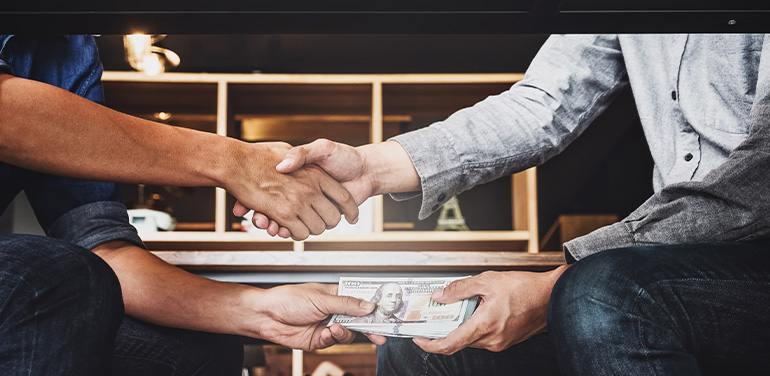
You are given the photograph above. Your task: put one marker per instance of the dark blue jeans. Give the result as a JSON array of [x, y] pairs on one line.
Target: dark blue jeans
[[686, 309], [61, 313]]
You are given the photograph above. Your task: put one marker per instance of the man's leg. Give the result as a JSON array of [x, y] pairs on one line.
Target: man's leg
[[60, 307], [150, 350], [684, 309], [535, 356]]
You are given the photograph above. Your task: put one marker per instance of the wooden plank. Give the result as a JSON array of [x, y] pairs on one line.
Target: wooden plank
[[314, 78], [375, 134], [320, 118], [297, 364], [389, 236], [220, 211], [519, 202], [533, 227], [359, 260]]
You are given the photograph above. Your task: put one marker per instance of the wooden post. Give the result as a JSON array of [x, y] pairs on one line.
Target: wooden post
[[220, 199]]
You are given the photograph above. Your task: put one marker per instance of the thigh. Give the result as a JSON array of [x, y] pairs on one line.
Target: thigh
[[683, 309], [60, 307], [151, 350], [535, 356]]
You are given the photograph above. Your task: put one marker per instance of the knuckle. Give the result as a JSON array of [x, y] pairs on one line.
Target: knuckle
[[335, 220], [348, 301], [285, 212], [309, 191], [317, 229], [325, 145], [345, 195]]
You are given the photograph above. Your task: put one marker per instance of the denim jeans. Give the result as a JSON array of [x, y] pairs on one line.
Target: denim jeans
[[60, 308], [61, 313], [687, 309]]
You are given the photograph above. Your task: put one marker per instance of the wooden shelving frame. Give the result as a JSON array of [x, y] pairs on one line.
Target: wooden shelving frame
[[380, 250]]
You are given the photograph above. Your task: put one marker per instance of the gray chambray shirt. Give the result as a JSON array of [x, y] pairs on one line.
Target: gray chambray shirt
[[704, 104]]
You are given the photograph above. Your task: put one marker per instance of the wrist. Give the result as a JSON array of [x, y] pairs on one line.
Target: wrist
[[225, 166], [389, 168], [252, 313]]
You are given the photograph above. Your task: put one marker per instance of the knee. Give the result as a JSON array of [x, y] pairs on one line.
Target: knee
[[57, 276], [593, 296], [399, 356]]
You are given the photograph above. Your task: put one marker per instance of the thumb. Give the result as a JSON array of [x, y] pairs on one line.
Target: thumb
[[239, 210], [298, 156], [292, 161], [456, 291], [348, 305]]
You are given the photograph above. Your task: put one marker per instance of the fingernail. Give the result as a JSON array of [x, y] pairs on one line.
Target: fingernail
[[284, 163], [337, 331], [354, 221], [437, 294], [367, 305]]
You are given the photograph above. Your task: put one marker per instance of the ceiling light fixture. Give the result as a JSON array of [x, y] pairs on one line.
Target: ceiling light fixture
[[144, 57]]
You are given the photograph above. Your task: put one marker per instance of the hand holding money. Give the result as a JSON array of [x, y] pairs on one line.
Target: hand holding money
[[404, 307]]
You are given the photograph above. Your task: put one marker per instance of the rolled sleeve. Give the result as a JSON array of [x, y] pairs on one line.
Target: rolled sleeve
[[440, 169], [96, 223], [616, 235]]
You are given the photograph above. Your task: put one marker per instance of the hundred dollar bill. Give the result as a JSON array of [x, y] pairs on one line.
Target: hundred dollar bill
[[404, 307]]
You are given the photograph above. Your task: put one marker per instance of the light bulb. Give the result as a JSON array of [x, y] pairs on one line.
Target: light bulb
[[152, 64], [144, 57]]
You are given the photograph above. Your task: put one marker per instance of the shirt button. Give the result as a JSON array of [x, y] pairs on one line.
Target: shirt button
[[688, 157], [441, 197], [673, 95], [434, 208]]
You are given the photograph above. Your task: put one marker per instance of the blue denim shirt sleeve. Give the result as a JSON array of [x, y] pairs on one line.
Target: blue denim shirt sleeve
[[730, 204], [93, 224], [86, 213], [572, 80]]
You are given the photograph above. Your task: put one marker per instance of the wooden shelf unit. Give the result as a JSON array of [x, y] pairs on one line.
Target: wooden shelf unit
[[217, 102]]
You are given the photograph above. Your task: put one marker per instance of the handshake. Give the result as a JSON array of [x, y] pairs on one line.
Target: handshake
[[305, 190]]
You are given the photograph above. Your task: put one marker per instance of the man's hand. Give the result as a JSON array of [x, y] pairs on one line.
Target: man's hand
[[344, 163], [513, 306], [364, 171], [296, 315], [306, 201]]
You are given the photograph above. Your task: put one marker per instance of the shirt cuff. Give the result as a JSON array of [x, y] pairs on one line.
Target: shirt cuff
[[95, 223], [440, 171], [616, 235]]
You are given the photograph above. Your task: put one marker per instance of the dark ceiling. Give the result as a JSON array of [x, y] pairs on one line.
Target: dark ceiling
[[382, 17]]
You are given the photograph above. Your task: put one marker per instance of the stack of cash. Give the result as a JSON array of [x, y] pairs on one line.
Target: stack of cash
[[404, 307]]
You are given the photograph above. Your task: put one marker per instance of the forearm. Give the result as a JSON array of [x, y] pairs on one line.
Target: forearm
[[157, 292], [47, 129]]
